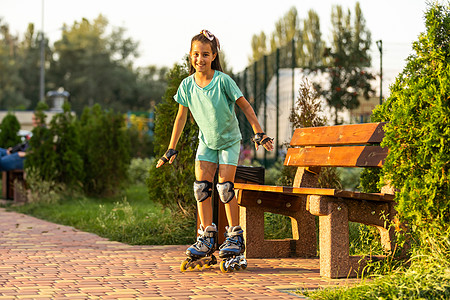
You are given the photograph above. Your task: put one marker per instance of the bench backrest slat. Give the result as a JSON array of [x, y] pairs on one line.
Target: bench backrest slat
[[354, 145], [352, 156], [355, 134]]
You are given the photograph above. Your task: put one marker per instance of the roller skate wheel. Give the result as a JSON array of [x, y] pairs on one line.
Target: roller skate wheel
[[237, 267], [183, 266], [223, 267]]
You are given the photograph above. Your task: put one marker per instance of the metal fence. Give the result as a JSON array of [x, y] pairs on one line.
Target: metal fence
[[253, 82]]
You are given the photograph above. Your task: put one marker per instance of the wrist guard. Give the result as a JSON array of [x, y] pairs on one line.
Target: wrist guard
[[169, 153], [258, 138]]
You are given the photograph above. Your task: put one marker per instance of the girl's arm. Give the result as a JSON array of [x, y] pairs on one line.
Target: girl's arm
[[178, 127], [251, 117]]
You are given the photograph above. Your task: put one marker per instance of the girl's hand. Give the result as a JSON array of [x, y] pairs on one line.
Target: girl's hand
[[169, 156], [264, 140]]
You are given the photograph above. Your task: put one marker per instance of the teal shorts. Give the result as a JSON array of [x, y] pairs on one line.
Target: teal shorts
[[228, 156]]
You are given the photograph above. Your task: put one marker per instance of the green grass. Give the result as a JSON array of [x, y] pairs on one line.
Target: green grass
[[426, 275], [130, 218]]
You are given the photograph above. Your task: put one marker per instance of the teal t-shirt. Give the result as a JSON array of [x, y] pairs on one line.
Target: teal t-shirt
[[213, 109]]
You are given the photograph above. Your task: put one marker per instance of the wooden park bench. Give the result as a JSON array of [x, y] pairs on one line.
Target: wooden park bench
[[13, 186], [313, 148]]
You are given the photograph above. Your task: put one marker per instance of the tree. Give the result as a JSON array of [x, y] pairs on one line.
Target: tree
[[311, 55], [349, 60], [11, 84], [95, 67], [30, 62], [309, 46], [418, 132], [151, 84], [286, 29], [259, 47]]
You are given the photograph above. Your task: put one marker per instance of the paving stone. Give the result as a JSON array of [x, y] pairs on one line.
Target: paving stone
[[43, 260]]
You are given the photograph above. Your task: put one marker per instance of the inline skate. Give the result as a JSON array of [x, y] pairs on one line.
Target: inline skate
[[232, 250], [200, 254]]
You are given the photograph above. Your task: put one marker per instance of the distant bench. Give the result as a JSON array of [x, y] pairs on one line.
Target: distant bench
[[313, 148], [13, 185]]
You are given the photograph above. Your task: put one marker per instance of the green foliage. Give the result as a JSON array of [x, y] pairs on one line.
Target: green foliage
[[67, 147], [172, 184], [138, 170], [348, 61], [426, 278], [55, 154], [307, 111], [309, 45], [141, 143], [43, 191], [277, 226], [369, 180], [42, 159], [29, 54], [9, 128], [93, 66], [418, 132], [151, 85], [11, 83], [97, 162], [91, 60], [105, 151]]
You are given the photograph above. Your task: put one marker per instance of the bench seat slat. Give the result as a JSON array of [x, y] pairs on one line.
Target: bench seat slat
[[352, 156], [354, 134], [315, 191]]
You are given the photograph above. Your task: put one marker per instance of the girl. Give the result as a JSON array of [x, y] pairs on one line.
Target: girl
[[210, 96]]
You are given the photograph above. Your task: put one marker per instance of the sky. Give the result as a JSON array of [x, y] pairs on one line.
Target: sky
[[164, 28]]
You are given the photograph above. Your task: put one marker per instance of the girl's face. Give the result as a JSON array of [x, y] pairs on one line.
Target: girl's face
[[201, 56]]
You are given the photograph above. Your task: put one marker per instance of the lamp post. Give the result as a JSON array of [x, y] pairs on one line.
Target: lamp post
[[42, 69], [380, 48]]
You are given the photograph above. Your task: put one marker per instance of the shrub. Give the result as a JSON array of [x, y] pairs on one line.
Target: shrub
[[54, 155], [10, 126], [141, 143], [172, 184], [43, 191], [105, 151], [138, 170], [308, 112], [67, 147], [418, 132]]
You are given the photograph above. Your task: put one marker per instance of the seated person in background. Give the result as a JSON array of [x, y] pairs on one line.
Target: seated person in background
[[13, 158]]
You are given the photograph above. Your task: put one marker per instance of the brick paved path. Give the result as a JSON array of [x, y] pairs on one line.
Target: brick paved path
[[42, 260]]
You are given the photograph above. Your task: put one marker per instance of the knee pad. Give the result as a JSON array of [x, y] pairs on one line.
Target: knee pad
[[226, 191], [202, 190]]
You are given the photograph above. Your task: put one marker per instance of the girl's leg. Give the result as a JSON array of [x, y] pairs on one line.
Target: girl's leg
[[227, 173], [205, 170]]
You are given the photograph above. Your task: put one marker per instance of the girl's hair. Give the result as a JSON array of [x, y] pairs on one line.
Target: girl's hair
[[215, 46]]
